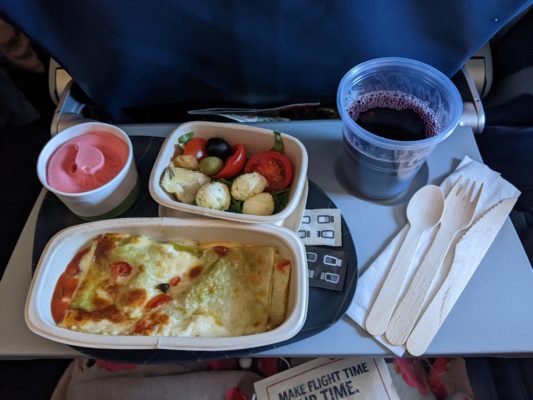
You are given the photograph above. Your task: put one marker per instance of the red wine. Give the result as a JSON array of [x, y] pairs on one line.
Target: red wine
[[383, 172], [394, 115]]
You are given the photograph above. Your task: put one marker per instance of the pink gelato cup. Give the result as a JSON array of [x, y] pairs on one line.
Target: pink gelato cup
[[90, 168]]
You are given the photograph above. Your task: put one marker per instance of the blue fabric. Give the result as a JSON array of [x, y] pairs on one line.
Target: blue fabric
[[131, 53]]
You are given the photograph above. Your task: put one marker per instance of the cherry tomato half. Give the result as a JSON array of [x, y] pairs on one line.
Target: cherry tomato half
[[121, 268], [174, 281], [234, 163], [274, 166], [196, 147], [158, 300]]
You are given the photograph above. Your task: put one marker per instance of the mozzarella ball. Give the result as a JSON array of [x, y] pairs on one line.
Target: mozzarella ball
[[214, 195], [260, 204], [248, 185]]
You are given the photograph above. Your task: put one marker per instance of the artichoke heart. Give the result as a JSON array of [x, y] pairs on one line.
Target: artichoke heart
[[183, 183]]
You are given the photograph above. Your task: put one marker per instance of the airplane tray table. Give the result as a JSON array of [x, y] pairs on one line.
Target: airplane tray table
[[325, 307], [492, 316]]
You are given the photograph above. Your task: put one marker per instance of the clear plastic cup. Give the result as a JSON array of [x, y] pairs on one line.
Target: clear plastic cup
[[382, 168]]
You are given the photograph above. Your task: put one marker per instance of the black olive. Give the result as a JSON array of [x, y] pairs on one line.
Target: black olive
[[163, 287], [218, 147]]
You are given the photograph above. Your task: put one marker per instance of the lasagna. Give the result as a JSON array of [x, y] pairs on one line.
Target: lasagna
[[124, 284]]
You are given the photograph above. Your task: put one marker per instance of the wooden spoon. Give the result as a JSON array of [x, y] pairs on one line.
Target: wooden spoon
[[424, 211], [459, 208]]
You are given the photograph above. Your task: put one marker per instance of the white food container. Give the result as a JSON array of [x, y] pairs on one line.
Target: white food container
[[66, 244], [255, 140]]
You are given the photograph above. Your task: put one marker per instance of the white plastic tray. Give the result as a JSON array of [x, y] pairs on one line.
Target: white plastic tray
[[63, 247], [254, 140]]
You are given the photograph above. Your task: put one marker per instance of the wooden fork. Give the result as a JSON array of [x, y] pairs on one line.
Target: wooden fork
[[459, 208]]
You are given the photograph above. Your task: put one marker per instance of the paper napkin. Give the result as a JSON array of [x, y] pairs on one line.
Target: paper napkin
[[495, 189]]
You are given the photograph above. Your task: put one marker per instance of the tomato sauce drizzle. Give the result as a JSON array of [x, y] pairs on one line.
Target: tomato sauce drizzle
[[282, 265], [65, 287]]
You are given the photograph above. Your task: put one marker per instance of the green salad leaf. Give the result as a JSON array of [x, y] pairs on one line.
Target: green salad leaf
[[278, 143], [281, 198], [235, 205], [222, 180], [184, 139]]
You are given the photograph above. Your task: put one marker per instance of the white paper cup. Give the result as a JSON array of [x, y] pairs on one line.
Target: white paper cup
[[107, 201]]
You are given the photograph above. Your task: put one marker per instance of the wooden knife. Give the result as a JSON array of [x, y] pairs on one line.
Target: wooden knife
[[469, 252]]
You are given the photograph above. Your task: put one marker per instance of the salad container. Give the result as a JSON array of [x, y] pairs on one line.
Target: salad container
[[66, 244], [254, 140]]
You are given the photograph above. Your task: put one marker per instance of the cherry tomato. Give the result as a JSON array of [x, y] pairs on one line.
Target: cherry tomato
[[234, 163], [196, 147], [274, 166], [121, 268], [158, 300]]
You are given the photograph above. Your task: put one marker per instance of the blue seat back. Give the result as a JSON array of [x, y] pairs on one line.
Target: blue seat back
[[126, 53]]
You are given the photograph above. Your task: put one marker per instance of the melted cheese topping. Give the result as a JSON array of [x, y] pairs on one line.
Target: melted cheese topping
[[133, 285]]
